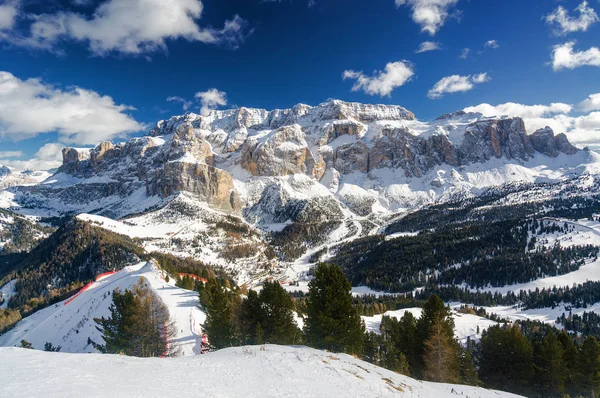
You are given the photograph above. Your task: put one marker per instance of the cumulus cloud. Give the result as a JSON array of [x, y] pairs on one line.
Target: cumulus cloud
[[428, 46], [429, 14], [382, 83], [131, 27], [47, 157], [563, 56], [491, 44], [591, 103], [31, 107], [581, 130], [8, 14], [456, 83], [563, 23], [464, 54], [210, 100]]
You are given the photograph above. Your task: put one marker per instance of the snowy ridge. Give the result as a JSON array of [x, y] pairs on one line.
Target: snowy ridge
[[266, 371]]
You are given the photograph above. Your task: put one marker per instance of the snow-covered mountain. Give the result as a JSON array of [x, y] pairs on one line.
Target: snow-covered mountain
[[314, 175], [9, 177]]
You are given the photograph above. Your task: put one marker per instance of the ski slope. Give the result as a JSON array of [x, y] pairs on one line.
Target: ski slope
[[70, 323], [253, 371]]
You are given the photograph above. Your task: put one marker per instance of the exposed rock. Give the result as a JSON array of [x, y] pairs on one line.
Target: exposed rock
[[496, 138], [98, 153], [74, 155], [563, 144], [284, 152], [544, 141], [211, 184]]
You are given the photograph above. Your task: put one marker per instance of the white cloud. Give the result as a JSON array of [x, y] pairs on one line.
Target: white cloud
[[591, 103], [31, 107], [185, 103], [430, 14], [47, 157], [563, 23], [456, 83], [491, 44], [8, 14], [11, 154], [131, 27], [210, 100], [382, 83], [563, 57], [428, 46], [525, 111], [581, 130], [464, 54]]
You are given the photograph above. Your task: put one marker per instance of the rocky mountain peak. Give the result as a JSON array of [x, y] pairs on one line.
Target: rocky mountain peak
[[4, 171], [544, 141]]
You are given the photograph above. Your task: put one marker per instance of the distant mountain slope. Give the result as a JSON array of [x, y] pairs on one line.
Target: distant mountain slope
[[254, 371]]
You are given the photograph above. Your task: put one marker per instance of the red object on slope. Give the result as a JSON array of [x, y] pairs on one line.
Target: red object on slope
[[86, 287]]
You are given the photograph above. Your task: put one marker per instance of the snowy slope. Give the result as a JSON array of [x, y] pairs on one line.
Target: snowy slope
[[254, 371], [71, 324], [465, 325]]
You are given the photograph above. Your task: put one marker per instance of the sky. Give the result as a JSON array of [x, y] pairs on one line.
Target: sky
[[77, 72]]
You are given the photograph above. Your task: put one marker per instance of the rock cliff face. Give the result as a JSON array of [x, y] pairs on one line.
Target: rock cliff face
[[302, 164], [544, 141]]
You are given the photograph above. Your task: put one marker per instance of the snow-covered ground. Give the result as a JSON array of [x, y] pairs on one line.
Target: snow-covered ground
[[465, 325], [253, 371], [7, 291], [70, 325]]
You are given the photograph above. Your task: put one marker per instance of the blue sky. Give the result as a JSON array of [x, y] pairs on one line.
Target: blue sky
[[104, 69]]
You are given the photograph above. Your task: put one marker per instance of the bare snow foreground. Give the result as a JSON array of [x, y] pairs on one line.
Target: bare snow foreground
[[252, 371]]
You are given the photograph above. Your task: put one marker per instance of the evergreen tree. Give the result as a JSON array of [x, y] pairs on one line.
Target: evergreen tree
[[332, 322], [49, 347], [506, 359], [468, 375], [589, 367], [549, 367], [278, 325], [26, 344], [218, 304], [118, 329], [435, 318]]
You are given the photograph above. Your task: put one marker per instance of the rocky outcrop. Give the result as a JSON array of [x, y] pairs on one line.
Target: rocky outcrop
[[544, 141], [74, 155], [285, 152], [213, 185], [496, 138]]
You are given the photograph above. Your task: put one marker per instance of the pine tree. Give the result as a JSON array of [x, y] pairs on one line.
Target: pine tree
[[506, 359], [332, 322], [51, 348], [218, 304], [468, 375], [26, 344], [589, 367], [440, 360], [549, 367], [278, 325], [435, 314]]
